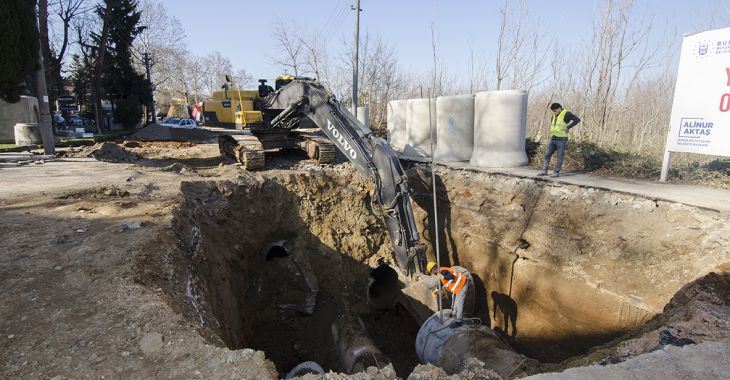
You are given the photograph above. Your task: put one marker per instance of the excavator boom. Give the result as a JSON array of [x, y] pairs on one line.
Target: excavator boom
[[371, 155]]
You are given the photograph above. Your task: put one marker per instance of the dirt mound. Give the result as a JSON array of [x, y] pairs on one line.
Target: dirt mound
[[156, 132], [109, 152], [470, 369], [699, 312]]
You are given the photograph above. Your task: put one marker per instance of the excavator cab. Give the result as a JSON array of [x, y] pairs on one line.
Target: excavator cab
[[286, 79], [283, 81], [264, 90]]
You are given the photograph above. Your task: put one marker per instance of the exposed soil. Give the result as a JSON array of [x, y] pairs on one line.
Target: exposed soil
[[563, 268], [699, 312], [225, 277], [162, 266]]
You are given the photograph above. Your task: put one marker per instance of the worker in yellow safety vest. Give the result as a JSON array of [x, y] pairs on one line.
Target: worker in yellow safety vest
[[455, 282], [562, 121]]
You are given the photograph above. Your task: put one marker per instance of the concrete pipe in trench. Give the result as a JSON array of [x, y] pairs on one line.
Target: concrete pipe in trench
[[442, 345], [357, 351], [281, 249], [445, 346]]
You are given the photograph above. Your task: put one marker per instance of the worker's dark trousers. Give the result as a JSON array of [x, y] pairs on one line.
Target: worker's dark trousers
[[559, 145], [458, 300]]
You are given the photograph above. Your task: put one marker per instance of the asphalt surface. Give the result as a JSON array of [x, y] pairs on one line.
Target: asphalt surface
[[693, 195]]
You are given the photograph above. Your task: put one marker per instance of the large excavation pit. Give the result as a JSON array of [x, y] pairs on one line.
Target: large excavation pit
[[270, 261]]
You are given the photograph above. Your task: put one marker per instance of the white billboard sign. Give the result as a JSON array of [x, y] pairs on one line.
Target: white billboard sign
[[700, 121]]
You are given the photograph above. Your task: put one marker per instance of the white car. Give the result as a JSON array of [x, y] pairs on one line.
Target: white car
[[180, 123]]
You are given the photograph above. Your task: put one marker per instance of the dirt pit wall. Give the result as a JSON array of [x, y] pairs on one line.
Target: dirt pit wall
[[560, 268], [247, 259]]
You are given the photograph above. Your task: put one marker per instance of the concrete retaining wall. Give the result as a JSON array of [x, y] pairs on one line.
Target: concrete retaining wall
[[25, 111]]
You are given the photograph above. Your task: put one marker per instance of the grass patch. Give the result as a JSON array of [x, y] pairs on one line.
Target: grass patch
[[588, 157], [7, 146]]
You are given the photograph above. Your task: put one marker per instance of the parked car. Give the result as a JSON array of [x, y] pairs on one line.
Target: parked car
[[77, 121], [180, 123]]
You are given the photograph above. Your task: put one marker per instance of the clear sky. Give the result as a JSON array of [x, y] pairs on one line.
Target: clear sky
[[241, 30]]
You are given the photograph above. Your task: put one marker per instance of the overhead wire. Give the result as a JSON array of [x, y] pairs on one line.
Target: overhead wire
[[329, 19], [335, 25]]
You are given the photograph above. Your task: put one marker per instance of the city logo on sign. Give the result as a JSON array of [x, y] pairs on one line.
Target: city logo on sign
[[702, 49], [695, 127]]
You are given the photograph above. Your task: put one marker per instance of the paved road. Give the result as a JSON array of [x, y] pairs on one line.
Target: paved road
[[696, 361], [700, 196]]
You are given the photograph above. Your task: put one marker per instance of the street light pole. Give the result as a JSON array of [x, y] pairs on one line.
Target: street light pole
[[44, 110], [151, 106], [357, 10]]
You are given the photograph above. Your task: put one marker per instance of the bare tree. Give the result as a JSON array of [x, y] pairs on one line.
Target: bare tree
[[718, 17], [161, 30], [616, 43], [316, 60], [291, 48], [509, 41], [216, 68], [162, 39], [620, 84], [55, 21], [193, 74], [477, 68], [242, 78], [521, 55]]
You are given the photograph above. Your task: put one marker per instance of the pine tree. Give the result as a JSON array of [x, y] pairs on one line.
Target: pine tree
[[19, 47], [127, 88], [80, 76]]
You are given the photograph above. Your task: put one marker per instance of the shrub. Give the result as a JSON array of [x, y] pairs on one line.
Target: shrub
[[531, 148]]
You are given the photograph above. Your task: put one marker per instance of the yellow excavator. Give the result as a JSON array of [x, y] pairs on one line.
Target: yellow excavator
[[178, 108], [286, 115], [251, 111]]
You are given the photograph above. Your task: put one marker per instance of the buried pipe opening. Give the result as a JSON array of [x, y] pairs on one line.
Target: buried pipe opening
[[384, 287], [276, 252]]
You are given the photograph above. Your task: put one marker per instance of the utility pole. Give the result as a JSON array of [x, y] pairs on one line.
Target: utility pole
[[151, 106], [357, 10], [44, 111]]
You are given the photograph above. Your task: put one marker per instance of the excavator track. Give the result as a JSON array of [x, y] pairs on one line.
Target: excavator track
[[247, 151], [321, 149]]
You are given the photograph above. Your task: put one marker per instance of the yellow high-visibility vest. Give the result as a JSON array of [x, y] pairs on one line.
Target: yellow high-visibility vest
[[557, 127]]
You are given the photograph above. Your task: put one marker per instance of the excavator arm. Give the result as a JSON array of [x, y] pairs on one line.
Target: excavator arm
[[371, 155]]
